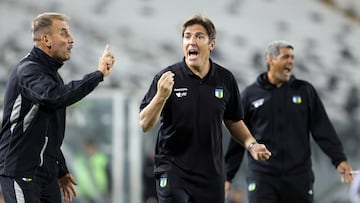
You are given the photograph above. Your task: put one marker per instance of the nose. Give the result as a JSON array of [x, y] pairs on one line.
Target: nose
[[71, 39], [193, 40], [292, 60]]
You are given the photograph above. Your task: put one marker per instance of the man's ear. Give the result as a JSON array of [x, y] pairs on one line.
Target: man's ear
[[212, 45], [46, 40], [268, 59]]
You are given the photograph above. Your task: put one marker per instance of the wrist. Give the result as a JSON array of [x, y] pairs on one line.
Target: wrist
[[251, 145]]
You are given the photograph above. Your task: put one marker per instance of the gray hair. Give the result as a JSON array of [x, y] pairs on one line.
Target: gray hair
[[273, 49]]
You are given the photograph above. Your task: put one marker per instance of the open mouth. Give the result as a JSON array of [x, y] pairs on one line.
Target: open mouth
[[287, 69], [193, 53]]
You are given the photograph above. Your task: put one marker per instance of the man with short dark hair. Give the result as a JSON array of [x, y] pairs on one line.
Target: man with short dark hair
[[193, 99]]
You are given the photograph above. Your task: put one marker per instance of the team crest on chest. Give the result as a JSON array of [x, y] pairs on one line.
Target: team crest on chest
[[163, 182], [219, 92], [296, 99], [252, 186]]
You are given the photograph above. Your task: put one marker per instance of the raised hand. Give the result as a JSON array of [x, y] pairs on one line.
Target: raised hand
[[165, 85], [106, 61]]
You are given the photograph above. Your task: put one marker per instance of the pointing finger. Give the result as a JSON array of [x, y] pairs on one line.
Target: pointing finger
[[106, 50]]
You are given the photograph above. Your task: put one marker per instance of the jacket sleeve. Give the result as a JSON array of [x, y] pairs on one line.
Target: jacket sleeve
[[48, 89], [233, 158], [323, 131], [63, 170]]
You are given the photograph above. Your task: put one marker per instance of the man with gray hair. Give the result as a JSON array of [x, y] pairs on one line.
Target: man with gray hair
[[282, 112], [32, 165]]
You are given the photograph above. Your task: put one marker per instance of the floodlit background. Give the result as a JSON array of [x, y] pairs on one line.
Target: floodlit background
[[145, 36]]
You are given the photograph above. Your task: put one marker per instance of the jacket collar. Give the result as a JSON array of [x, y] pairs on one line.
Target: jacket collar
[[45, 59], [263, 81]]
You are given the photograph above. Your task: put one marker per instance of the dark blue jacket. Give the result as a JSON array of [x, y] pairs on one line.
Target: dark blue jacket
[[34, 114], [284, 119]]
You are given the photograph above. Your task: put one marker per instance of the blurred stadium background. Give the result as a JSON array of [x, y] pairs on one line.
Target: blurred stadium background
[[145, 36]]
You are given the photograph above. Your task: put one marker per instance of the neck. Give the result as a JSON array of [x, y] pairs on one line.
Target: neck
[[272, 80], [202, 70]]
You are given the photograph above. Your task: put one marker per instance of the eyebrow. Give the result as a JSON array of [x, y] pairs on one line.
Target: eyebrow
[[196, 33], [64, 29], [288, 55]]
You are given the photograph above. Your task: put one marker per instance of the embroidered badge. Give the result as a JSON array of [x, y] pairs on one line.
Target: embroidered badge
[[252, 186], [296, 99], [219, 93], [163, 182]]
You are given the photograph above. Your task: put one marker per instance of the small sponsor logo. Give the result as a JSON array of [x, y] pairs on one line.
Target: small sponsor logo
[[181, 92], [258, 102]]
